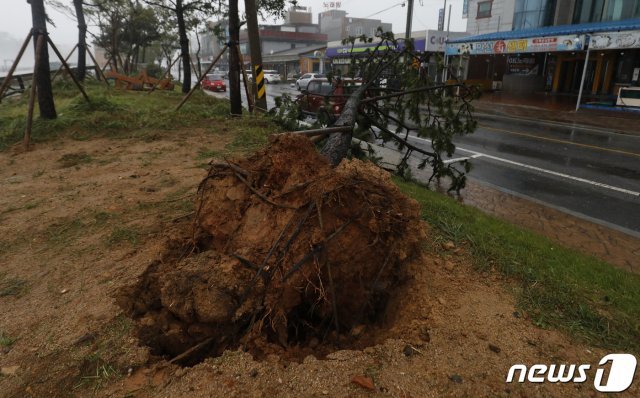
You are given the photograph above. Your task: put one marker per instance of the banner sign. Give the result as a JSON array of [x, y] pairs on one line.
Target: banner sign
[[533, 45], [436, 39], [441, 19], [521, 65], [341, 61], [364, 49], [615, 40]]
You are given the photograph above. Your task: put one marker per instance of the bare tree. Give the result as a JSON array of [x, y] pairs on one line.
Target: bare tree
[[183, 9], [81, 70]]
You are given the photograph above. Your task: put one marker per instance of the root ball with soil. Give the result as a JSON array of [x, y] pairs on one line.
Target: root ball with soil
[[285, 255]]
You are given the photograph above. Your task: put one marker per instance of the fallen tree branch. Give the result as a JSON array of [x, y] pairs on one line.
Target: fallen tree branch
[[402, 141], [191, 350], [260, 194], [328, 130], [415, 90]]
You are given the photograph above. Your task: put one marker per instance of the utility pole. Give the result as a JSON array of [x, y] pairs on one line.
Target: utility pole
[[259, 89], [407, 35], [234, 61]]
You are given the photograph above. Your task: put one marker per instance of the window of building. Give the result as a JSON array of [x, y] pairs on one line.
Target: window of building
[[605, 10], [530, 14], [484, 9], [358, 30]]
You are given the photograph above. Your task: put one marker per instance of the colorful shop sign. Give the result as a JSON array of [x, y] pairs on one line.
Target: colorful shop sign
[[532, 45]]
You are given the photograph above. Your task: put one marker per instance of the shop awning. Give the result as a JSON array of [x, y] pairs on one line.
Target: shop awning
[[550, 39], [561, 30], [290, 55]]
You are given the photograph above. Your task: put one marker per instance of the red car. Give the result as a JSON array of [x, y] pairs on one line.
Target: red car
[[214, 83], [322, 96]]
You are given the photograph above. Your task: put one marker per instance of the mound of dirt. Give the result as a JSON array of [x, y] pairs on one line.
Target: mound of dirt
[[286, 254]]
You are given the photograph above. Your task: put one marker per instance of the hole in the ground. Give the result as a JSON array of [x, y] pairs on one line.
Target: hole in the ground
[[183, 316], [307, 270]]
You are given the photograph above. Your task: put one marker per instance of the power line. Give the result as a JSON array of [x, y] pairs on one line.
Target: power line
[[402, 3]]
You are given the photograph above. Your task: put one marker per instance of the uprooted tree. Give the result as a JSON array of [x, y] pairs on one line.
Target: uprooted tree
[[395, 100], [293, 251]]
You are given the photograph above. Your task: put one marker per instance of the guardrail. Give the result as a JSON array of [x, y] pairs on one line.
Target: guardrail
[[23, 80]]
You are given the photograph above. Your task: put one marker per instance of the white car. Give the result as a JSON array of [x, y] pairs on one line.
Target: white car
[[303, 82], [270, 76]]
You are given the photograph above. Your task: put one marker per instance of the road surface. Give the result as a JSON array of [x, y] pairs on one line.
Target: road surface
[[587, 172]]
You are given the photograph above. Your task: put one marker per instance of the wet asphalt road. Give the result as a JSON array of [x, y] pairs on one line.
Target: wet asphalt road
[[591, 173]]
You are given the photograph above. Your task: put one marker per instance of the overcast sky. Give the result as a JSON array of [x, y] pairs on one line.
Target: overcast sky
[[15, 18]]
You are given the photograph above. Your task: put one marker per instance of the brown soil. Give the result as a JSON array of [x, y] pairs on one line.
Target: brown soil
[[294, 275], [72, 237]]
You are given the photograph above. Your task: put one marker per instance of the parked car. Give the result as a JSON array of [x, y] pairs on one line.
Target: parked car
[[270, 76], [303, 81], [323, 96], [214, 82]]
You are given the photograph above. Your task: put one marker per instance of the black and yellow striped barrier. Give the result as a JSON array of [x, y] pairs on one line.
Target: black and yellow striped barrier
[[260, 81]]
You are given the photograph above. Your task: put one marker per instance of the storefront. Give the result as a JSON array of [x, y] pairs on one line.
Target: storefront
[[593, 60], [514, 65]]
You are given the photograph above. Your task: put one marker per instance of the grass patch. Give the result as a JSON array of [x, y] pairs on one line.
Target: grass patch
[[557, 286], [253, 133], [13, 287], [74, 159], [121, 235], [6, 340], [65, 230], [204, 154], [101, 365], [110, 112]]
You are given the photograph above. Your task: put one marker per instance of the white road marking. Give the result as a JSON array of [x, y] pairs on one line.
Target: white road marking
[[541, 170], [477, 155]]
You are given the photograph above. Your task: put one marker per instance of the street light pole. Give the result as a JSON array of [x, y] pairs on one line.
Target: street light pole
[[407, 35]]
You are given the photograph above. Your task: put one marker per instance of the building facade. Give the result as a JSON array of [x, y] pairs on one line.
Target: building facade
[[337, 25], [556, 46], [296, 35], [488, 16]]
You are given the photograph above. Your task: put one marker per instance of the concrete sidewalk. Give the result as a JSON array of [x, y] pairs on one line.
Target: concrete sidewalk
[[556, 109]]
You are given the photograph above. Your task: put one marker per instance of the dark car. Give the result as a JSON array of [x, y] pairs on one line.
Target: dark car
[[323, 96], [214, 82]]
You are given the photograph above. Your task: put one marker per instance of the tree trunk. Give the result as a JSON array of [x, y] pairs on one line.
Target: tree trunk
[[184, 48], [81, 69], [337, 146], [199, 64], [43, 79], [234, 62], [114, 42]]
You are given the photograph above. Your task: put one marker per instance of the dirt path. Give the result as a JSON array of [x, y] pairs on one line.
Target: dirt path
[[81, 219]]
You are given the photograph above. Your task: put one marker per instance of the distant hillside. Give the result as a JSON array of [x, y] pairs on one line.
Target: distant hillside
[[9, 47], [8, 44]]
